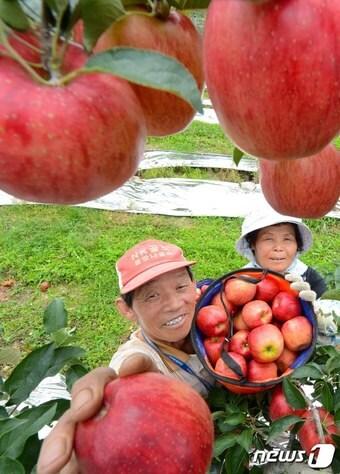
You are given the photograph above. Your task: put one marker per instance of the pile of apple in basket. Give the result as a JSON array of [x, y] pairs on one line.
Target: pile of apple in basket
[[251, 329]]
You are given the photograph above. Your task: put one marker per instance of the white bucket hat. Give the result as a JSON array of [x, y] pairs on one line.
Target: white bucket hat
[[265, 217]]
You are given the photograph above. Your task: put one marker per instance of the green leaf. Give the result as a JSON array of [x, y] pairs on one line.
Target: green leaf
[[73, 374], [237, 155], [311, 370], [3, 413], [326, 397], [98, 15], [57, 6], [333, 364], [12, 444], [235, 419], [62, 355], [337, 399], [12, 14], [282, 424], [29, 373], [30, 454], [217, 397], [245, 439], [63, 337], [150, 69], [55, 316], [236, 460], [294, 396], [11, 466], [9, 424], [224, 442]]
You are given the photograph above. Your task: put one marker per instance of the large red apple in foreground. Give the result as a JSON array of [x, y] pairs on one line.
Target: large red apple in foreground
[[67, 144], [149, 423], [273, 75], [308, 187], [177, 37], [265, 343]]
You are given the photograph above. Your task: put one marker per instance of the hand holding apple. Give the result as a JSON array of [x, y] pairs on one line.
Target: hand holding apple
[[148, 423]]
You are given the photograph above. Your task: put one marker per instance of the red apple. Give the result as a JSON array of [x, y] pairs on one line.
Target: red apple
[[286, 183], [271, 74], [239, 343], [285, 306], [297, 333], [265, 343], [212, 321], [137, 427], [70, 143], [238, 322], [279, 406], [239, 291], [267, 289], [308, 434], [261, 372], [213, 347], [255, 313], [286, 359], [223, 369], [177, 37], [217, 301]]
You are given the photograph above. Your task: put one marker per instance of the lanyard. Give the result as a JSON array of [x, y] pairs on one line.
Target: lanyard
[[178, 362]]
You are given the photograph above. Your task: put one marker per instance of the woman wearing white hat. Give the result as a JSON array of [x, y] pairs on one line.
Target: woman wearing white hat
[[274, 241]]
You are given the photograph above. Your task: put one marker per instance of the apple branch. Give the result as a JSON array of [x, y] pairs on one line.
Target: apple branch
[[16, 56]]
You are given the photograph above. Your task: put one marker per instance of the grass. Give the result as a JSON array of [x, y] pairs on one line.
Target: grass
[[75, 250]]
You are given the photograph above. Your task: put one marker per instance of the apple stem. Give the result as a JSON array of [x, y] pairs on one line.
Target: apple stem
[[16, 56], [161, 9]]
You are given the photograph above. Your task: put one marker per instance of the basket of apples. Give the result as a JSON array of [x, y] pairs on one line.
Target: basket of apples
[[251, 329]]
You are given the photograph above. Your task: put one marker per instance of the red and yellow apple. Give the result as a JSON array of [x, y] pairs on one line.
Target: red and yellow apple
[[265, 343]]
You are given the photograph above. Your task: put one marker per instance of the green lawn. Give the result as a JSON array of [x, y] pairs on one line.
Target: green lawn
[[75, 249]]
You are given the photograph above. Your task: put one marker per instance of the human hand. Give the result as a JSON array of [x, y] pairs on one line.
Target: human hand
[[56, 455], [301, 286]]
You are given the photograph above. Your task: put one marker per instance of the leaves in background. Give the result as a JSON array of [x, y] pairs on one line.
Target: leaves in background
[[13, 15]]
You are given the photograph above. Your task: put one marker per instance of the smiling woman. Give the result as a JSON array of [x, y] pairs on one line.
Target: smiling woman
[[274, 241]]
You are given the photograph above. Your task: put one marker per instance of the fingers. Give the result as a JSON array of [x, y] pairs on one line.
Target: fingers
[[308, 295], [293, 277], [137, 364], [300, 286], [56, 449], [87, 396], [87, 393]]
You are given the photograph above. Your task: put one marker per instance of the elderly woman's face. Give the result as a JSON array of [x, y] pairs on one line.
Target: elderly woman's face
[[276, 247]]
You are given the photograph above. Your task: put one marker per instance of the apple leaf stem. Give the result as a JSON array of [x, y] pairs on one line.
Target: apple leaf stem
[[17, 57]]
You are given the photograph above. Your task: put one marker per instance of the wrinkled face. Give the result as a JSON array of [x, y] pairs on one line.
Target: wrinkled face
[[276, 247], [164, 307]]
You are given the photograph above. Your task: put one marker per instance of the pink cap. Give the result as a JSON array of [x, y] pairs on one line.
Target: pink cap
[[147, 260]]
